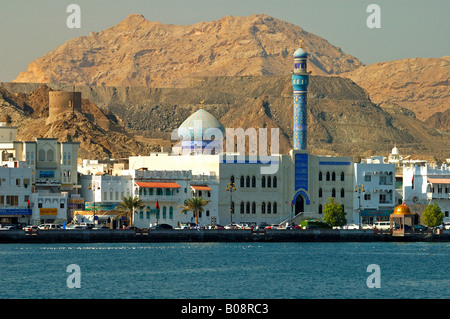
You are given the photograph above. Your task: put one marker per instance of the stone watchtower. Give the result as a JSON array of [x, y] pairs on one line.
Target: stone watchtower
[[60, 102]]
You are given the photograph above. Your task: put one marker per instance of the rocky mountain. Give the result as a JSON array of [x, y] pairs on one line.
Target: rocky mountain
[[421, 85], [99, 132], [137, 52], [342, 120]]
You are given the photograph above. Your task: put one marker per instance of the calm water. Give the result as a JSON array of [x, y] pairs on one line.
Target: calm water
[[225, 270]]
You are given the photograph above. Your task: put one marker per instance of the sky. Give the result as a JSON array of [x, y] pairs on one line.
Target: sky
[[408, 28]]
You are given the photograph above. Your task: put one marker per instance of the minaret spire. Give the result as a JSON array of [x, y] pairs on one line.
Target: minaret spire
[[300, 81]]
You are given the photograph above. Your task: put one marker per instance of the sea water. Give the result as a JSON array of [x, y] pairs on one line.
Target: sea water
[[225, 270]]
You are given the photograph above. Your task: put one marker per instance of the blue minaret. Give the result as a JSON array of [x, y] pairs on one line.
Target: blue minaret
[[300, 81]]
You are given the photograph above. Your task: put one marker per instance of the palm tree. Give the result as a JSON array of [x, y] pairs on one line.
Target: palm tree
[[129, 205], [194, 204]]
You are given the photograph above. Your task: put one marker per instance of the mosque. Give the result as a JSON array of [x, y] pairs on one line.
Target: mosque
[[273, 188]]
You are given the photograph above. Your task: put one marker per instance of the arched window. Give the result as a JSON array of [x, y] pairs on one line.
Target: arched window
[[342, 192], [242, 207], [164, 212], [269, 208], [232, 179], [242, 181], [263, 181], [269, 181], [253, 181], [342, 176], [42, 156], [320, 209], [253, 208], [50, 156], [247, 208], [333, 193], [171, 212], [333, 176], [275, 208], [328, 176], [320, 176], [274, 182], [247, 181], [320, 192], [263, 208]]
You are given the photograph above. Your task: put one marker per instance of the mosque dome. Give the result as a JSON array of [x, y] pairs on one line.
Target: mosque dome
[[402, 210], [197, 124], [395, 151], [300, 53]]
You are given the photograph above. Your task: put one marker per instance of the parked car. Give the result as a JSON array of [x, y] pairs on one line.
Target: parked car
[[419, 227], [30, 228], [447, 225], [351, 226], [49, 226], [161, 226], [7, 227]]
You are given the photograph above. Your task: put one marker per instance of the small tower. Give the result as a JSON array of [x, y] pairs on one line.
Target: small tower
[[300, 81]]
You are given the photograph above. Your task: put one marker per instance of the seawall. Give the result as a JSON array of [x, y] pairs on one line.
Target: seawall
[[132, 236]]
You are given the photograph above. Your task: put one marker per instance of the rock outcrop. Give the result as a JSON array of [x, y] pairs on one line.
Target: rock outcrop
[[137, 52]]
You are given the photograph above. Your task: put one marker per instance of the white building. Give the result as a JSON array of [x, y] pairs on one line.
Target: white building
[[15, 193], [374, 190], [423, 185]]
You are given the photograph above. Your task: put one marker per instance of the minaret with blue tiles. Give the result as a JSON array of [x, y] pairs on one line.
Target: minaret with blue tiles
[[300, 81]]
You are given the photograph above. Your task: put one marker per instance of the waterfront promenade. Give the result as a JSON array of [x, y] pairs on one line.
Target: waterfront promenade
[[316, 235]]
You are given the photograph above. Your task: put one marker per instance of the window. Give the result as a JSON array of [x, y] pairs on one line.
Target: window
[[342, 176], [12, 200], [333, 176], [367, 178], [247, 181], [320, 192], [269, 181], [328, 176], [274, 182], [366, 196], [50, 156], [242, 207], [164, 212], [42, 156], [247, 208], [269, 208], [253, 181], [253, 208], [333, 192], [141, 214], [61, 205], [263, 182], [263, 208], [242, 181], [274, 207], [320, 209], [342, 192], [232, 179], [320, 176], [171, 212]]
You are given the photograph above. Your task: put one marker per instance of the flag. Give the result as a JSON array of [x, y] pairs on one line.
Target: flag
[[157, 205], [292, 206], [412, 182]]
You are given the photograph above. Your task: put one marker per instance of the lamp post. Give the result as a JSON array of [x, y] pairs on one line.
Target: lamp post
[[230, 188], [94, 186], [359, 188]]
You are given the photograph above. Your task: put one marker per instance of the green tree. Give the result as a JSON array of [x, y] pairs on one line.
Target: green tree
[[128, 206], [334, 214], [194, 204], [432, 215]]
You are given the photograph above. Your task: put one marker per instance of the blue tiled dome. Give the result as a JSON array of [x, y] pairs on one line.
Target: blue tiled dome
[[300, 53], [207, 121]]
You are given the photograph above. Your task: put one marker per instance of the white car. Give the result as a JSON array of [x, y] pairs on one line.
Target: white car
[[447, 225], [351, 226], [49, 226], [30, 228]]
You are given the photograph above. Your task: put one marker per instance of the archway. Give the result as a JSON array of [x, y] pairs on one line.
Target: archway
[[299, 204]]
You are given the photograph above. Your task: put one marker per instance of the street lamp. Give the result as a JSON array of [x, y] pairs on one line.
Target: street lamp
[[359, 188], [94, 186], [230, 188]]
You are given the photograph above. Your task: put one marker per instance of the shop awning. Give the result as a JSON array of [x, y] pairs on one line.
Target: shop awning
[[158, 184], [201, 187], [376, 213], [438, 180]]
